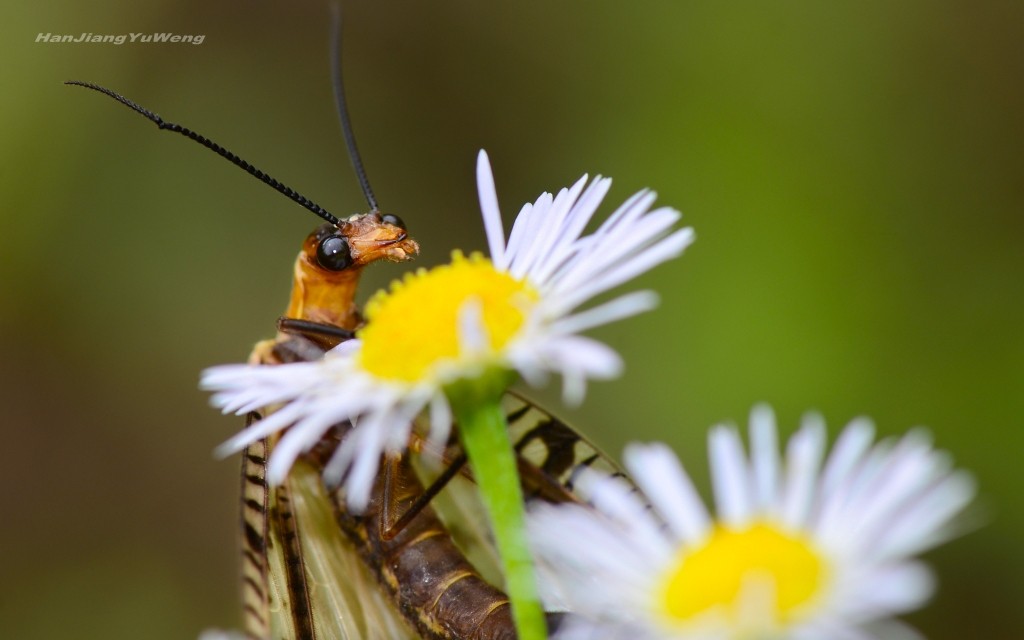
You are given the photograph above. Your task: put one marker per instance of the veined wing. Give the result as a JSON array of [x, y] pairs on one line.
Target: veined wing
[[301, 578], [344, 597], [552, 455]]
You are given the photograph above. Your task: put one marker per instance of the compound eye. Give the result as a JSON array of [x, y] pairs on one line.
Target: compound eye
[[393, 220], [334, 254]]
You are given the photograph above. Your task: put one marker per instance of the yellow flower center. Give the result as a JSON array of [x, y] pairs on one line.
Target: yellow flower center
[[413, 329], [714, 576]]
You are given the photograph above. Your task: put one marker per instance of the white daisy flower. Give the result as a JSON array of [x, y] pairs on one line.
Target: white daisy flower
[[514, 312], [802, 547]]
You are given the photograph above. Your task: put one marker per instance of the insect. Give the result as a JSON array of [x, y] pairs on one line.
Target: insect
[[426, 546], [419, 562]]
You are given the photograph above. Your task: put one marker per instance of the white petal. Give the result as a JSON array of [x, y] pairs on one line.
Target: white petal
[[640, 263], [368, 445], [523, 220], [593, 558], [401, 423], [530, 365], [847, 452], [472, 332], [346, 349], [565, 245], [574, 386], [756, 601], [632, 210], [903, 485], [764, 458], [624, 306], [923, 525], [576, 358], [588, 257], [616, 499], [659, 474], [300, 438], [803, 459], [834, 629], [586, 252], [870, 482], [259, 430], [549, 227], [532, 229], [729, 476], [894, 589], [440, 418], [489, 206]]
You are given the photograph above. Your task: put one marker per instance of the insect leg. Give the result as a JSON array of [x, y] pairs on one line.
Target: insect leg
[[327, 336], [428, 577], [391, 523]]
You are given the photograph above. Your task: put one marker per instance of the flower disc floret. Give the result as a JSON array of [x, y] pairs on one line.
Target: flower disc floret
[[414, 331], [713, 576]]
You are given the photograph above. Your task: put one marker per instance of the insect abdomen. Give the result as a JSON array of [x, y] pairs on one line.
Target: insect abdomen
[[435, 587]]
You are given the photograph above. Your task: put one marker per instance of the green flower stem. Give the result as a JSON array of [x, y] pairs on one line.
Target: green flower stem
[[484, 433]]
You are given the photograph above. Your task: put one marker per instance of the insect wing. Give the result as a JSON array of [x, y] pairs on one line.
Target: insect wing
[[552, 455], [301, 578], [345, 600]]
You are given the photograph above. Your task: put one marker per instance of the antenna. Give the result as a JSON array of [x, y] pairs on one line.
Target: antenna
[[290, 193], [339, 99]]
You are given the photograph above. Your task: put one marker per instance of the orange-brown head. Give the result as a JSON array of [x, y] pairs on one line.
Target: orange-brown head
[[332, 258]]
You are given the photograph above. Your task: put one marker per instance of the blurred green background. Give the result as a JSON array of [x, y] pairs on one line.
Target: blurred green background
[[853, 170]]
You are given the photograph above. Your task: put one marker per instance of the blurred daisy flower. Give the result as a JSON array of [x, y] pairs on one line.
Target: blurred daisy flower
[[806, 547], [515, 312]]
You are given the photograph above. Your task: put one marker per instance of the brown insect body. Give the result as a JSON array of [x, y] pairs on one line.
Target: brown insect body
[[426, 575], [277, 573]]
